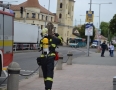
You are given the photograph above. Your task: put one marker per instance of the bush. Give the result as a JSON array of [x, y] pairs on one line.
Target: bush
[[114, 45]]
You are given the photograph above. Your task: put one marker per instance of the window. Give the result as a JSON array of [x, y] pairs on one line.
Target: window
[[33, 15], [42, 17], [60, 15], [46, 17], [41, 26], [51, 18], [27, 15], [60, 5]]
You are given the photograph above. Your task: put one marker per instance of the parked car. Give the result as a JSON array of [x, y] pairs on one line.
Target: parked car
[[94, 45]]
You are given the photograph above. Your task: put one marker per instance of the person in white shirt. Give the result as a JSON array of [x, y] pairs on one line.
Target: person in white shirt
[[112, 50]]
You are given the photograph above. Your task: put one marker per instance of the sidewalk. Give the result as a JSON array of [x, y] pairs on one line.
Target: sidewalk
[[79, 76]]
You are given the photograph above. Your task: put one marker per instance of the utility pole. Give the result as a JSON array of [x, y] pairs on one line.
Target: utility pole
[[48, 13], [88, 37]]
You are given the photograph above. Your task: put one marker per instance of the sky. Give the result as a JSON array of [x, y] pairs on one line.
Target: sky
[[107, 11]]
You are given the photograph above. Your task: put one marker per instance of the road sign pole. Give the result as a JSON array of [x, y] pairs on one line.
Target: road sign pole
[[88, 37]]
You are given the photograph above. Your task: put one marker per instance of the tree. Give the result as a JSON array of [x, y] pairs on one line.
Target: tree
[[112, 28], [82, 32], [112, 25], [104, 28]]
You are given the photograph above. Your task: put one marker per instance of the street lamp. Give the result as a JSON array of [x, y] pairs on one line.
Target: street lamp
[[9, 3], [99, 17], [48, 12]]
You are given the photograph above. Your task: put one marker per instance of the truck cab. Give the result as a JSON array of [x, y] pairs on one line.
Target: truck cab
[[6, 39]]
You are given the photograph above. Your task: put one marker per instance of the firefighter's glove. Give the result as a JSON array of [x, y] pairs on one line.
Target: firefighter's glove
[[39, 60]]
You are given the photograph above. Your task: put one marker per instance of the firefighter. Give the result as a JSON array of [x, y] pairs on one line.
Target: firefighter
[[48, 45], [57, 35]]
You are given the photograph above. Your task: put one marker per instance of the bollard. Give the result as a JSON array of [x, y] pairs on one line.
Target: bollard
[[69, 62], [114, 83], [59, 63], [40, 72], [13, 78]]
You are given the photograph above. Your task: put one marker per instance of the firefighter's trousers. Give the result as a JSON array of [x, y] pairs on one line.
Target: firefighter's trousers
[[47, 64]]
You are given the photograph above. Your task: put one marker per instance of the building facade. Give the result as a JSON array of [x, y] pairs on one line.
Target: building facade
[[34, 13]]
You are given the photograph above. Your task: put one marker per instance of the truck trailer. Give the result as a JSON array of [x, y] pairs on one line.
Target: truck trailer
[[26, 36]]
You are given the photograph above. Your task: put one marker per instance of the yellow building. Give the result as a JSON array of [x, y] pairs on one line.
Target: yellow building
[[34, 13], [65, 13]]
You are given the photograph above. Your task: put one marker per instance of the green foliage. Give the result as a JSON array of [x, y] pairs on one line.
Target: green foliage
[[104, 29], [112, 25], [82, 32], [114, 45]]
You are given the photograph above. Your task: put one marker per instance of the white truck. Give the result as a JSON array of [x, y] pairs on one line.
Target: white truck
[[26, 36]]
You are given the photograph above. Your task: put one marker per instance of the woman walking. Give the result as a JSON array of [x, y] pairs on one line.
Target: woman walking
[[112, 50]]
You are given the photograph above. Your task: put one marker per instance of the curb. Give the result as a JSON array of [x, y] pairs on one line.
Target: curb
[[3, 88]]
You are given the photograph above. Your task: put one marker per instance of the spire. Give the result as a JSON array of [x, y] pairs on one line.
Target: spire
[[33, 3]]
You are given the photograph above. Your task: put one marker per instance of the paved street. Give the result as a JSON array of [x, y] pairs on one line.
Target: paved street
[[27, 60]]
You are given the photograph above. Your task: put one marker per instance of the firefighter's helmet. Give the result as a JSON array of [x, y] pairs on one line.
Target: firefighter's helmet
[[44, 31]]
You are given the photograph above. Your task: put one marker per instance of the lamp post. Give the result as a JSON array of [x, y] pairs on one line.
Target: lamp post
[[9, 3], [100, 18], [48, 12]]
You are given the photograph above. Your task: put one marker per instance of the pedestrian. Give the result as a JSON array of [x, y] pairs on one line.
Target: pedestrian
[[112, 50], [48, 45], [103, 47]]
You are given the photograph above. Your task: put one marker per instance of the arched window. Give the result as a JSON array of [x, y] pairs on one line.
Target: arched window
[[60, 5], [60, 15]]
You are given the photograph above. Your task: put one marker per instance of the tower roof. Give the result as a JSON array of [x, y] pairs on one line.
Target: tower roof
[[33, 3]]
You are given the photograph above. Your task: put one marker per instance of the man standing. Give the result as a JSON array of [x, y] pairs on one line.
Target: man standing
[[103, 47]]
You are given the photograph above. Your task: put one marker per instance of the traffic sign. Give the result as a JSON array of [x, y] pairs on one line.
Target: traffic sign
[[89, 16], [89, 29]]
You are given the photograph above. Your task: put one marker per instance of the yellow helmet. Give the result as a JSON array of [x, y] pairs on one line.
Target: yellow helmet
[[45, 31]]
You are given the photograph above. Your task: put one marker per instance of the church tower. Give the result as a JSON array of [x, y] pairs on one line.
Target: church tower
[[65, 11]]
